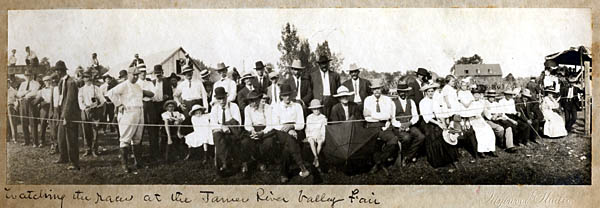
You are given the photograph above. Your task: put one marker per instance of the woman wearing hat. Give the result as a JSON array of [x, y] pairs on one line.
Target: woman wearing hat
[[486, 139], [257, 143], [345, 109], [439, 151], [169, 136], [202, 135], [555, 125]]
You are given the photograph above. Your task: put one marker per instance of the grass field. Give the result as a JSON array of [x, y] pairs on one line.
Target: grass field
[[554, 161]]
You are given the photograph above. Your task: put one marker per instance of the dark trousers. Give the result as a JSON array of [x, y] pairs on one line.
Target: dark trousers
[[290, 148], [12, 122], [259, 149], [68, 144], [150, 117], [521, 131], [45, 113], [29, 124], [222, 146], [90, 130], [469, 141], [570, 107], [412, 139], [157, 148], [390, 144]]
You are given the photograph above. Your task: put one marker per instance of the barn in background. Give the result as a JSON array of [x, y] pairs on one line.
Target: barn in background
[[172, 61], [482, 73]]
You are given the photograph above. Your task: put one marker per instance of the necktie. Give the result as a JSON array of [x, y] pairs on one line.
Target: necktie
[[223, 115], [51, 97], [378, 109], [346, 113], [190, 81], [355, 90], [27, 88], [172, 116]]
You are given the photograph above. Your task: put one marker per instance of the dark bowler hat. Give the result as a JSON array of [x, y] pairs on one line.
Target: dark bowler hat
[[60, 65], [259, 65], [173, 75], [323, 59], [158, 68], [220, 93], [403, 87], [286, 89], [422, 71], [254, 95]]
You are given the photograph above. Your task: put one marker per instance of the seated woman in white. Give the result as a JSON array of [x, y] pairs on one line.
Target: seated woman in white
[[555, 124]]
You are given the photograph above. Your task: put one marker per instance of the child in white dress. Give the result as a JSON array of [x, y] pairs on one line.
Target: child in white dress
[[315, 129], [202, 134]]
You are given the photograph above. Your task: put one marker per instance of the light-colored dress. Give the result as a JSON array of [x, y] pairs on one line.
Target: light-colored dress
[[202, 133], [465, 96], [439, 106], [555, 124], [486, 139], [451, 95], [315, 128]]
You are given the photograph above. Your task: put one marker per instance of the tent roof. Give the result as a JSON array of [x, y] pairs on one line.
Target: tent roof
[[571, 56], [157, 58]]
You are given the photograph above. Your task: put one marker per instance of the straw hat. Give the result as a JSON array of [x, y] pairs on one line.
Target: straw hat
[[377, 83], [449, 138], [343, 91], [429, 86], [526, 93], [246, 76], [195, 108], [204, 73], [221, 66], [353, 67], [187, 69], [403, 87], [296, 64], [314, 104], [169, 102], [491, 93]]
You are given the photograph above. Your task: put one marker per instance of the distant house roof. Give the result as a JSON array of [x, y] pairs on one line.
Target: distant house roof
[[477, 70], [150, 60]]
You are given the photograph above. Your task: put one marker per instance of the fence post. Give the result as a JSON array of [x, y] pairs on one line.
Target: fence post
[[588, 98]]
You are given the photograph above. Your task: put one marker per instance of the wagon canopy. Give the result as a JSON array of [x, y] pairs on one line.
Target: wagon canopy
[[571, 56]]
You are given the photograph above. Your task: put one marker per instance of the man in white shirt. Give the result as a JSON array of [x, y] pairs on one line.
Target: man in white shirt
[[91, 103], [502, 128], [151, 111], [12, 110], [223, 114], [26, 94], [228, 84], [570, 102], [257, 143], [12, 60], [44, 99], [190, 92], [379, 114], [274, 89], [288, 118], [127, 98], [405, 120], [361, 87], [509, 113]]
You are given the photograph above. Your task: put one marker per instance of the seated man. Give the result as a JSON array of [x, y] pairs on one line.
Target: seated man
[[530, 113], [223, 114], [379, 113], [406, 118], [345, 110], [259, 133], [502, 128], [521, 130]]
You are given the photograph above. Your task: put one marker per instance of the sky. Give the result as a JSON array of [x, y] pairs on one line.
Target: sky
[[378, 39]]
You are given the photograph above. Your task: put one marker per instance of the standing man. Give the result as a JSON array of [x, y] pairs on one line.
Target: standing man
[[300, 84], [91, 103], [109, 107], [224, 113], [247, 79], [262, 80], [12, 59], [26, 94], [127, 98], [274, 89], [415, 84], [324, 84], [190, 92], [31, 58], [136, 61], [405, 120], [95, 64], [44, 99], [229, 85], [346, 109], [379, 113], [534, 88], [122, 76], [361, 87], [570, 102], [70, 113]]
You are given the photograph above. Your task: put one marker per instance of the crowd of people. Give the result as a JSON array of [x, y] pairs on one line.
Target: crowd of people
[[265, 117]]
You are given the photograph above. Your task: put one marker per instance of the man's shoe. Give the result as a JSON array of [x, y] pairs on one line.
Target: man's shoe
[[480, 155], [25, 144], [511, 150], [492, 154], [73, 167], [244, 167]]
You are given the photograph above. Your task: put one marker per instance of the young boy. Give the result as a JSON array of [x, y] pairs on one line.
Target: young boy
[[170, 117], [315, 129]]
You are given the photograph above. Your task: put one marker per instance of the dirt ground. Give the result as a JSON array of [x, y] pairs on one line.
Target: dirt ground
[[565, 161]]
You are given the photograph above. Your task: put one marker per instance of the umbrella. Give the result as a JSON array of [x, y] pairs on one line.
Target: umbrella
[[349, 144]]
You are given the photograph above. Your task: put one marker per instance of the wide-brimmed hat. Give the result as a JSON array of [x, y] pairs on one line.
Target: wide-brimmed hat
[[187, 69], [221, 66], [169, 102], [525, 92], [314, 104], [259, 65], [158, 68], [377, 83], [142, 67], [286, 89], [254, 95], [133, 70], [510, 92], [296, 64], [273, 75], [60, 65], [429, 86], [204, 73], [343, 91], [173, 75], [449, 138], [422, 71], [220, 93], [491, 93], [246, 76], [403, 87], [353, 67], [122, 73], [196, 108], [323, 59]]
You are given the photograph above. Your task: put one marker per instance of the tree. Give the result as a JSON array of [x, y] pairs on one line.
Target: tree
[[509, 78], [336, 59], [289, 46], [475, 59]]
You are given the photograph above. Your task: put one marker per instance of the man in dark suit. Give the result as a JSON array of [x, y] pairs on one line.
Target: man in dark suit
[[570, 102], [162, 92], [304, 92], [346, 109], [68, 144], [415, 84], [361, 87], [262, 81], [530, 114], [534, 88], [242, 94], [324, 83]]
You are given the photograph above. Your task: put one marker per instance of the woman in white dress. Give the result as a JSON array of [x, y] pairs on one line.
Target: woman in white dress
[[465, 98], [555, 125], [486, 139]]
